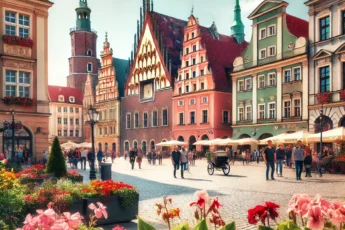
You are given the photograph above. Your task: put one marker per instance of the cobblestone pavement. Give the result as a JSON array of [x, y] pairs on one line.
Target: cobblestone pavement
[[244, 188]]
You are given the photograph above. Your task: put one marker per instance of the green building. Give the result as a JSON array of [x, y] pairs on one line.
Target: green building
[[270, 79]]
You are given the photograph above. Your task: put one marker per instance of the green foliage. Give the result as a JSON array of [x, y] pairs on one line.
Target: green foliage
[[128, 197], [142, 225], [231, 226], [287, 225], [202, 225], [56, 162], [183, 226], [74, 188], [84, 227], [11, 204], [264, 228]]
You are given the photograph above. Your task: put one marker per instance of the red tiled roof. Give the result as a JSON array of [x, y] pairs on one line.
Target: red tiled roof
[[298, 27], [56, 91]]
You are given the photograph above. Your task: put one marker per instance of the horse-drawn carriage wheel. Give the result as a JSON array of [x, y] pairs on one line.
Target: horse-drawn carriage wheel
[[210, 168], [226, 168]]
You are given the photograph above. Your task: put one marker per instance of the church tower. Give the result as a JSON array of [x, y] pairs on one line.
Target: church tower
[[83, 60], [238, 26]]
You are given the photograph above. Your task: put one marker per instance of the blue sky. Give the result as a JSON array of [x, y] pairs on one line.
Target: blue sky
[[118, 18]]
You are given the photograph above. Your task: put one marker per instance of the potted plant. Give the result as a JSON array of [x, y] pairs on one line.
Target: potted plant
[[19, 41], [324, 98]]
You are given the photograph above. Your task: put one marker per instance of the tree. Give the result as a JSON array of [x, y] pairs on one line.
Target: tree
[[56, 162]]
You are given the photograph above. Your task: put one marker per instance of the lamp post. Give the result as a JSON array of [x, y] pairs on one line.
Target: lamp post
[[321, 130], [13, 154], [93, 116]]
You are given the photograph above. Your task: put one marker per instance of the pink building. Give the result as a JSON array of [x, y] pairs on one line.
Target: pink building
[[202, 100]]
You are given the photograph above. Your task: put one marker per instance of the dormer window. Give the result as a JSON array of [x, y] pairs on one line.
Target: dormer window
[[89, 53], [61, 98], [71, 99]]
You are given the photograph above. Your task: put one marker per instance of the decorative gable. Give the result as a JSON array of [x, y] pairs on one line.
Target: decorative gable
[[341, 49], [266, 6], [322, 54], [192, 21]]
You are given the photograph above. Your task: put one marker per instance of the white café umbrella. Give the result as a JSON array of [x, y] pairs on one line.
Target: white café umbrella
[[228, 141], [275, 139], [69, 144], [294, 137], [330, 135], [247, 141], [85, 145], [202, 142], [216, 141], [172, 143]]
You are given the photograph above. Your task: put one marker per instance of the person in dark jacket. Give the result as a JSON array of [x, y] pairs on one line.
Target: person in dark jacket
[[132, 155], [91, 158], [280, 154], [175, 159], [99, 157], [288, 156], [308, 160]]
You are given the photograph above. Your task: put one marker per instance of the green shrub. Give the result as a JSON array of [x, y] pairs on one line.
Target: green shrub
[[56, 162]]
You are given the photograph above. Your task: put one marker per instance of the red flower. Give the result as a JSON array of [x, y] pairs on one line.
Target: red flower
[[271, 208], [215, 205], [15, 40], [324, 98], [261, 212]]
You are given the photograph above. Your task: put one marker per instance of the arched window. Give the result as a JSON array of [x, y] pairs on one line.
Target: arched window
[[143, 147], [113, 147], [135, 144], [325, 124], [153, 145], [89, 53], [89, 67], [99, 147], [105, 147], [126, 145]]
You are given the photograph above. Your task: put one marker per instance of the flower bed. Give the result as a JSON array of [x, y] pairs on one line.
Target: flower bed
[[74, 176], [17, 101], [19, 41], [34, 174]]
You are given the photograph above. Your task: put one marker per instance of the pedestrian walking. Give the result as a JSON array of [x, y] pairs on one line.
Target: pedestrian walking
[[308, 160], [126, 154], [99, 157], [244, 156], [288, 156], [139, 157], [132, 154], [194, 156], [280, 154], [154, 156], [184, 160], [298, 157], [83, 155], [269, 158], [190, 157], [91, 158], [175, 159], [257, 156], [113, 156]]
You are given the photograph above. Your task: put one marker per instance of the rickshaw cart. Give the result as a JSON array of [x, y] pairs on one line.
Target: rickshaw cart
[[218, 160]]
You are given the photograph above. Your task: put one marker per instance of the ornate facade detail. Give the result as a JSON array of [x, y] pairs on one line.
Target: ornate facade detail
[[323, 61], [17, 50], [18, 64]]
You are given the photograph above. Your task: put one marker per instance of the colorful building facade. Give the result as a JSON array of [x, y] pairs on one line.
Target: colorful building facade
[[270, 79], [66, 119], [326, 64], [111, 75], [202, 102], [83, 60], [24, 74]]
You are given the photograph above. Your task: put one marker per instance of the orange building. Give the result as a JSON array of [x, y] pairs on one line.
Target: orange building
[[202, 101], [24, 74]]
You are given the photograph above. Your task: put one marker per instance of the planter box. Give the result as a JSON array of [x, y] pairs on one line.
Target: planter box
[[32, 180], [75, 179], [116, 213]]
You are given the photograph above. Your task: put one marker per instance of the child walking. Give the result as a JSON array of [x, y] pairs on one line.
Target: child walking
[[307, 162]]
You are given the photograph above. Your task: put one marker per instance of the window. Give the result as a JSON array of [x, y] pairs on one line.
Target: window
[[145, 119], [71, 99], [65, 121], [241, 85], [262, 53], [271, 30], [204, 116], [287, 108], [76, 110], [105, 131], [248, 84], [194, 48], [59, 133], [272, 79], [202, 59], [71, 121], [180, 77], [262, 33], [271, 51], [165, 117], [272, 110], [181, 119], [192, 117], [187, 63], [241, 114], [65, 109], [136, 120], [89, 67], [17, 24], [65, 133], [71, 133], [187, 88], [71, 110], [194, 61], [187, 75], [287, 76], [226, 117], [89, 53], [180, 90], [187, 50], [180, 103], [128, 121], [192, 101], [261, 80], [204, 99], [77, 133], [194, 74], [261, 112], [324, 79], [343, 21], [100, 131], [77, 121], [194, 87], [61, 98], [154, 119], [297, 74], [249, 112], [17, 84], [59, 120], [202, 72], [59, 109], [193, 35], [202, 85], [297, 107], [325, 28]]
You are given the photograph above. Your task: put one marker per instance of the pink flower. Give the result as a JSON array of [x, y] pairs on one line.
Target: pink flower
[[318, 200], [299, 204], [315, 218], [73, 220], [61, 226], [215, 205], [46, 218], [99, 211], [117, 227], [203, 199]]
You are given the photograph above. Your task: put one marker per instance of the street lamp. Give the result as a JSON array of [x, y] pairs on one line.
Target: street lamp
[[321, 127], [93, 118], [13, 154]]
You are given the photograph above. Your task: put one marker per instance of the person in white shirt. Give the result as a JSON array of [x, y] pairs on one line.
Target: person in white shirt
[[83, 155]]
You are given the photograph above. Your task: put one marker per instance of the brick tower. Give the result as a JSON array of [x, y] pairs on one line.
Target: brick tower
[[83, 60]]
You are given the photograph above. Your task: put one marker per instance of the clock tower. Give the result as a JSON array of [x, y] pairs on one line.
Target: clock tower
[[83, 60]]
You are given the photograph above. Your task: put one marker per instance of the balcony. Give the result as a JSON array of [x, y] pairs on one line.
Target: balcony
[[72, 29]]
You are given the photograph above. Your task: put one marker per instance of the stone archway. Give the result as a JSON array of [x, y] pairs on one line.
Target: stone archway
[[22, 139], [242, 136], [265, 135], [323, 124], [180, 138], [191, 141]]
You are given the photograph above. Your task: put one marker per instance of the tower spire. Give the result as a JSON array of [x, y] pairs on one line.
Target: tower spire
[[238, 26], [83, 16]]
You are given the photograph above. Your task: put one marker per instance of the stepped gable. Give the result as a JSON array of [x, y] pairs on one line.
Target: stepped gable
[[298, 27]]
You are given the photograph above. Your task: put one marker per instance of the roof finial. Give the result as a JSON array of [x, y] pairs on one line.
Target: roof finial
[[106, 36], [192, 10]]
